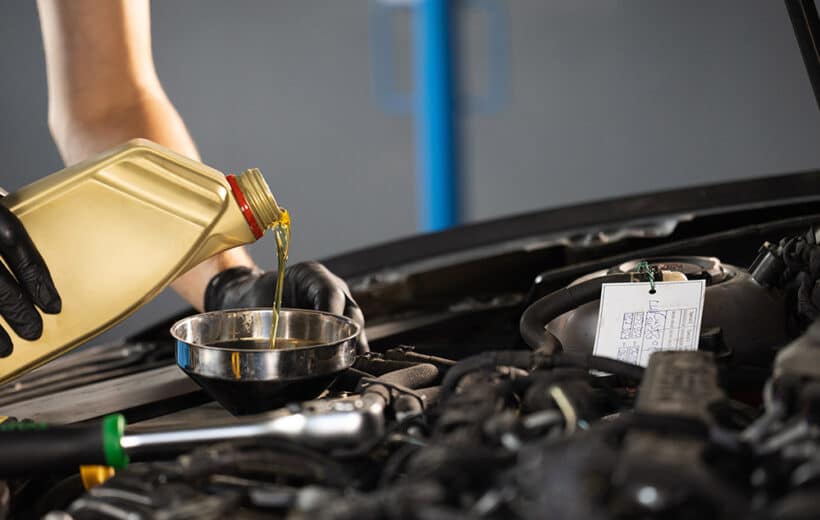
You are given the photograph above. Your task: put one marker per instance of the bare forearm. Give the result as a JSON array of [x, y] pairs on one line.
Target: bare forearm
[[150, 115], [103, 91], [98, 60]]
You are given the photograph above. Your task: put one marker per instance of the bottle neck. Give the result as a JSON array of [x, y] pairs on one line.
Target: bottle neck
[[256, 201]]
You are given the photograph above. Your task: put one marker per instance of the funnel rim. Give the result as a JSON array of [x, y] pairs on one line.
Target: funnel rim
[[264, 310], [334, 348]]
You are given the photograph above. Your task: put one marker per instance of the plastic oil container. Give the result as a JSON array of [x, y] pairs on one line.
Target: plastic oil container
[[117, 229]]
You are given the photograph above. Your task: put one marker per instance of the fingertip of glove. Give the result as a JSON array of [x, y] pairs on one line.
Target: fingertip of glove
[[217, 287], [54, 306], [32, 329], [50, 301], [6, 348]]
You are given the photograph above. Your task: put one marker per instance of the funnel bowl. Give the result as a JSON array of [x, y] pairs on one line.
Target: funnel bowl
[[227, 354]]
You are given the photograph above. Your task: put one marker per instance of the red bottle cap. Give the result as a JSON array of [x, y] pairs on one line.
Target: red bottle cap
[[246, 209]]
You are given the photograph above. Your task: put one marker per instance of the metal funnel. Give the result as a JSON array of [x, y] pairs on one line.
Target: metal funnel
[[227, 354]]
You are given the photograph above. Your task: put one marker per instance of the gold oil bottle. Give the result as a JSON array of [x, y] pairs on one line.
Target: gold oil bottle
[[117, 229]]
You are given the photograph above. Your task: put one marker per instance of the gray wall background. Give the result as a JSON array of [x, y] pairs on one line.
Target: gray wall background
[[605, 97]]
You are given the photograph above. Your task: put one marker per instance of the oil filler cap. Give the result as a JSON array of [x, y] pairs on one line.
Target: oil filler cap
[[706, 268]]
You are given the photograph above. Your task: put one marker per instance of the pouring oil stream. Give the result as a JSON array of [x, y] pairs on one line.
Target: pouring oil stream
[[281, 232]]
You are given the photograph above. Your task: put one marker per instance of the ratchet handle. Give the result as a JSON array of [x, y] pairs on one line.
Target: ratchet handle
[[28, 448]]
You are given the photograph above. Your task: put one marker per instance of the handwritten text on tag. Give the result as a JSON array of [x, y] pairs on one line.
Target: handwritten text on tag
[[633, 323]]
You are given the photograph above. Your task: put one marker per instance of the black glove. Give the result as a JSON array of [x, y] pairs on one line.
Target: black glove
[[308, 285], [30, 285]]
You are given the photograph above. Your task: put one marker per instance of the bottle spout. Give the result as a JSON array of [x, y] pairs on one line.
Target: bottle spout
[[259, 197]]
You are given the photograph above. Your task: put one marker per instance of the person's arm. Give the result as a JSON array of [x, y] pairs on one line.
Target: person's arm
[[103, 90]]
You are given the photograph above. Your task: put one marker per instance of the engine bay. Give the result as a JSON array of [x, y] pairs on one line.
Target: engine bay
[[461, 415]]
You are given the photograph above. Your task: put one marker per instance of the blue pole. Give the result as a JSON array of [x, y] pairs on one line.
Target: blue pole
[[436, 158]]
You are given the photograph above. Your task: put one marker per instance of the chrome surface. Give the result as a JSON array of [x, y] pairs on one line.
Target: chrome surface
[[332, 427], [332, 337]]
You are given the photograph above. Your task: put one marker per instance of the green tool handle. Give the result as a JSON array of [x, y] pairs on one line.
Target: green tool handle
[[28, 448]]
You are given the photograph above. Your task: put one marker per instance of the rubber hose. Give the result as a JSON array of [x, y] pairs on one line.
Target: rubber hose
[[416, 376], [409, 404], [542, 311], [604, 364], [485, 361], [378, 366]]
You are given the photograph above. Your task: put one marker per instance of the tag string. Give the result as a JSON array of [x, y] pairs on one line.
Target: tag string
[[644, 267]]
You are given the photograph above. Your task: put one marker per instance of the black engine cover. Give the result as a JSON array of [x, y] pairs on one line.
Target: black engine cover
[[752, 318]]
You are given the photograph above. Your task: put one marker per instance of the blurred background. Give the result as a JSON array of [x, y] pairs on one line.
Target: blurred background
[[561, 102]]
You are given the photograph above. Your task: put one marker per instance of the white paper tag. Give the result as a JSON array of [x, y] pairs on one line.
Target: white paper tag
[[632, 323]]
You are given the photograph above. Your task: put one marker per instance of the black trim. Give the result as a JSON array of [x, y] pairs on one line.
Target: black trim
[[806, 23], [712, 198]]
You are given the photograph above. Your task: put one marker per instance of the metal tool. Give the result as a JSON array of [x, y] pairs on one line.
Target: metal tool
[[28, 448], [227, 354]]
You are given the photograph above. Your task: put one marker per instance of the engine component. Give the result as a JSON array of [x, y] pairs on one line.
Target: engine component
[[545, 309], [678, 385], [531, 433], [675, 410], [751, 317], [794, 266], [658, 462]]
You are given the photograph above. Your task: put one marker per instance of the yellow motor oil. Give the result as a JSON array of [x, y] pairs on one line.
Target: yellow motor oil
[[117, 229], [281, 232]]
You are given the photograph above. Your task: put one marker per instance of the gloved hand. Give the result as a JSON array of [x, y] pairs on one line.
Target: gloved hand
[[30, 285], [308, 285]]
